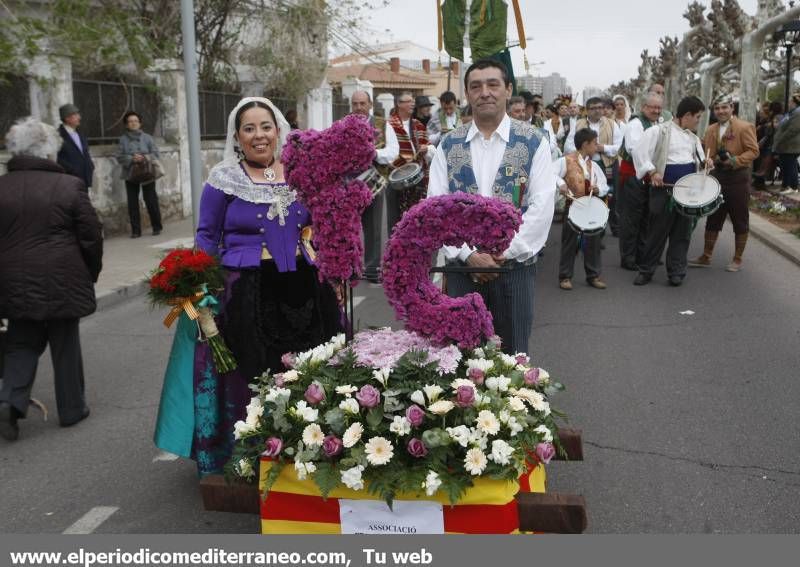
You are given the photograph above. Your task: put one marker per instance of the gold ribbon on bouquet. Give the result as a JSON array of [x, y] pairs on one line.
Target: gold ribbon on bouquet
[[183, 304]]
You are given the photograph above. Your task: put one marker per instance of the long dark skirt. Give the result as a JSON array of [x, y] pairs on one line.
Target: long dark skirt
[[265, 314]]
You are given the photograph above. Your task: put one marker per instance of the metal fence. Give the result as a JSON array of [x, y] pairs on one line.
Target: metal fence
[[14, 103], [104, 103], [214, 109]]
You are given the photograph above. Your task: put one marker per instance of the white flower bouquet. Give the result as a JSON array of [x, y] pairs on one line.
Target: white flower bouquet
[[390, 413]]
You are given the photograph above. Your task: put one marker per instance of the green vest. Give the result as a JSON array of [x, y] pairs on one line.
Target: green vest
[[623, 151]]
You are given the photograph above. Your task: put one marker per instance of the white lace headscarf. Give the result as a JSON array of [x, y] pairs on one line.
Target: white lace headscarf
[[230, 178], [627, 106], [232, 145]]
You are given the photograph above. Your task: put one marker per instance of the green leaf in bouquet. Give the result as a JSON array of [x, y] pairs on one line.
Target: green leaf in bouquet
[[272, 477], [289, 451], [326, 477], [358, 456], [554, 387], [334, 418], [375, 417], [391, 401], [455, 486], [278, 416]]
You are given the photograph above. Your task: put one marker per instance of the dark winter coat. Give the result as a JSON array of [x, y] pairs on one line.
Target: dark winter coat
[[76, 161], [787, 136], [51, 243]]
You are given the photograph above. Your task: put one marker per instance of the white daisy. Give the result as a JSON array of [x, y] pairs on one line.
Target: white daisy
[[475, 461], [487, 422], [313, 435], [441, 407], [379, 451]]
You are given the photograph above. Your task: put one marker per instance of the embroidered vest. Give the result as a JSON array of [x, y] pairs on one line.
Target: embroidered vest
[[623, 151], [511, 180], [575, 177], [409, 145]]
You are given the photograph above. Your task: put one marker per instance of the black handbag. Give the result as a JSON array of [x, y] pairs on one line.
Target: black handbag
[[141, 172]]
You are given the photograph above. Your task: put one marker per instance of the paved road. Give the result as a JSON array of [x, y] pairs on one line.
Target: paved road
[[690, 421]]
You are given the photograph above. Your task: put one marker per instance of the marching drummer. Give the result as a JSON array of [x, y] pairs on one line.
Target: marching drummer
[[579, 176], [386, 151], [733, 145], [666, 153]]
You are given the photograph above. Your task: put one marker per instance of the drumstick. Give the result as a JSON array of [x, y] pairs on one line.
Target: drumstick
[[571, 195]]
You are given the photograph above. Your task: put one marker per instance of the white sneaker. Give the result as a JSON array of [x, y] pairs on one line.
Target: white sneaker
[[788, 191]]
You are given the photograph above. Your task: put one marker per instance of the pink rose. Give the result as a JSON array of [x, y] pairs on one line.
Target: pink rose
[[368, 396], [465, 396], [288, 360], [415, 414], [545, 452], [416, 448], [279, 380], [522, 358], [532, 376], [273, 447], [332, 446], [314, 394], [476, 375]]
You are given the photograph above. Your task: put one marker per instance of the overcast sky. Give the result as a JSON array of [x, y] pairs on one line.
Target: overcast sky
[[591, 43]]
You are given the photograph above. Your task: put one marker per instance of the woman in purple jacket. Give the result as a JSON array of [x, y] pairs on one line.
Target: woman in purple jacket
[[273, 301]]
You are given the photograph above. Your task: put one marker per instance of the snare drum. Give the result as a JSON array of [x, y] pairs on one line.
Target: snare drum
[[697, 195], [374, 180], [406, 176], [588, 215]]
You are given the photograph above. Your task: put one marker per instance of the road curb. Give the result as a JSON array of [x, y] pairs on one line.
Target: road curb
[[112, 298], [782, 241]]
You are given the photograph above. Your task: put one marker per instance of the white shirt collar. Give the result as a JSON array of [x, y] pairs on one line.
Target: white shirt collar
[[70, 129], [503, 130]]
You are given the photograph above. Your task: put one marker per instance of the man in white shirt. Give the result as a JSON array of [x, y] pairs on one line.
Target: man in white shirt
[[666, 153], [579, 176], [632, 193], [447, 118], [496, 156], [387, 150]]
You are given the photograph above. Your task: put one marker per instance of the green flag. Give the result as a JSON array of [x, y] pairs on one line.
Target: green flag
[[487, 29], [504, 57]]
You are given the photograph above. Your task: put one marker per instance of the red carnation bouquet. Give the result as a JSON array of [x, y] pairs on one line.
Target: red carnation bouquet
[[182, 281]]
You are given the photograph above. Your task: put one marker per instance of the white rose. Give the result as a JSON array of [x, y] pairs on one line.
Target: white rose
[[459, 434], [432, 483], [245, 469], [382, 375], [352, 434], [351, 477], [350, 405], [441, 407], [400, 425], [304, 469], [274, 393], [379, 451], [306, 412], [240, 429], [432, 391], [291, 376], [507, 360], [475, 461], [544, 377], [418, 397], [346, 390], [487, 422], [481, 364], [516, 404], [313, 435], [501, 452], [547, 435], [514, 426], [498, 383]]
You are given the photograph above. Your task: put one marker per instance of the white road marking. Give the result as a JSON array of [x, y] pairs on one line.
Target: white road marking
[[174, 243], [164, 456], [91, 520], [357, 301], [687, 312]]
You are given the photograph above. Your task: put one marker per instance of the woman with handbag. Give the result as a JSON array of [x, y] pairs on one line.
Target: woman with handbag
[[138, 156]]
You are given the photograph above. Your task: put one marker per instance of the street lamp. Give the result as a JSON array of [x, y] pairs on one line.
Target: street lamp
[[788, 35]]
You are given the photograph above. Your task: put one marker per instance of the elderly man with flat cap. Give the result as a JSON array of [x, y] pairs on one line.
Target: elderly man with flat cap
[[733, 145], [74, 154]]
